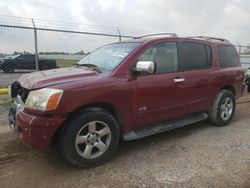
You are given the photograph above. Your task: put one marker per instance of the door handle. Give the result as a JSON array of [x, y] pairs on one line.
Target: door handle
[[179, 80]]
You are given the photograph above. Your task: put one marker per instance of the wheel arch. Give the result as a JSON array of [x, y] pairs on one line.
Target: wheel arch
[[103, 106], [228, 87], [225, 87], [91, 107]]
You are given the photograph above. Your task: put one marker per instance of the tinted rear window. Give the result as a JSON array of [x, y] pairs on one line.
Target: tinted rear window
[[195, 56], [227, 56]]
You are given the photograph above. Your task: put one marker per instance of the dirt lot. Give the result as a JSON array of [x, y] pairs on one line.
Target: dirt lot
[[198, 155]]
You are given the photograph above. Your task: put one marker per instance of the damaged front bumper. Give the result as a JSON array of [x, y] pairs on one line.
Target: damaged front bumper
[[33, 130], [17, 106]]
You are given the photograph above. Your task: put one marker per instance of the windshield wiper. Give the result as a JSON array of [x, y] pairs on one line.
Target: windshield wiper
[[91, 66]]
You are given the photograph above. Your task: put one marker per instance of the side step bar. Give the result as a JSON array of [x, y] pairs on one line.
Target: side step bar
[[164, 126]]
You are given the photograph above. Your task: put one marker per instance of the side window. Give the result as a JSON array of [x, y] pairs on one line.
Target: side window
[[195, 56], [165, 56], [227, 56]]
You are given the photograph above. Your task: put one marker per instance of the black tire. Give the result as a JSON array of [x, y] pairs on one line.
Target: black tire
[[215, 113], [78, 123], [8, 69]]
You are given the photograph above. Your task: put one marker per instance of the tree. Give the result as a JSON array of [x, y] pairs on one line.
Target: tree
[[16, 53], [26, 53], [80, 52]]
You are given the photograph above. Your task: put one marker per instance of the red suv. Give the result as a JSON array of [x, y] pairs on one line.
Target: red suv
[[127, 90]]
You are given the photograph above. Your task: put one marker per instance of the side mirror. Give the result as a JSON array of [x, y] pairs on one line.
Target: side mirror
[[145, 67]]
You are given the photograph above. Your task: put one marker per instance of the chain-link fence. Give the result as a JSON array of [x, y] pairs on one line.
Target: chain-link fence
[[29, 44], [244, 51]]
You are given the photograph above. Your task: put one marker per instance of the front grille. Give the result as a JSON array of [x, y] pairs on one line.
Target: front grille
[[17, 89]]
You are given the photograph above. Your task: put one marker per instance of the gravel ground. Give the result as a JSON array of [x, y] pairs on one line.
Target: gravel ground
[[197, 155]]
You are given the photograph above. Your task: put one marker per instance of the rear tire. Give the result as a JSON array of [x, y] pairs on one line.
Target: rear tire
[[222, 111], [90, 138]]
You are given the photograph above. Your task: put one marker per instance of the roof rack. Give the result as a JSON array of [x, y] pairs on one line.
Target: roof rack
[[156, 34], [210, 38]]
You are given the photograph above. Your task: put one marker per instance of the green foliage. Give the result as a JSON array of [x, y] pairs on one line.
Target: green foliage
[[65, 63], [24, 53], [80, 52], [5, 102]]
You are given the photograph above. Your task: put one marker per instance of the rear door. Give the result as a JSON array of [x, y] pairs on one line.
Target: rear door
[[196, 73]]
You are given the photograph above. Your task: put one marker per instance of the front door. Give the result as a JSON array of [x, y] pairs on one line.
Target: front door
[[158, 97]]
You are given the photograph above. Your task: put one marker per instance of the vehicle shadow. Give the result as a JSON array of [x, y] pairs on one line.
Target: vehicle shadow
[[129, 148], [161, 138]]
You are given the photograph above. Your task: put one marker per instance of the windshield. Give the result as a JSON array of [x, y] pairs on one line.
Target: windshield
[[110, 56]]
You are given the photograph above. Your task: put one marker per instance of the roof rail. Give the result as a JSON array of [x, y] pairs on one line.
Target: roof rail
[[210, 38], [156, 34]]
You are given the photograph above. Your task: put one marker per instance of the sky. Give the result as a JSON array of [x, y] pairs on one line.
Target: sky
[[221, 18]]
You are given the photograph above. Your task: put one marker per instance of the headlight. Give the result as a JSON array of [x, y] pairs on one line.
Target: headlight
[[44, 99]]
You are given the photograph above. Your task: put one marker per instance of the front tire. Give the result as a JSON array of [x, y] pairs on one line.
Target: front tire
[[90, 138], [222, 111]]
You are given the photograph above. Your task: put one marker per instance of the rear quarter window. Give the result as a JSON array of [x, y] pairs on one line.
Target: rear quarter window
[[228, 56]]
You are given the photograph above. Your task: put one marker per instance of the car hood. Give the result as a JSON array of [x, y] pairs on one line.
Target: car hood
[[54, 77]]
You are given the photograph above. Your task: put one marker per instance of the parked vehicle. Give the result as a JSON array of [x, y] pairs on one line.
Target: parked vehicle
[[25, 62], [127, 90]]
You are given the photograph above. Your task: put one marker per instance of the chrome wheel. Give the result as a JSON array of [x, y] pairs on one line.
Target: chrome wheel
[[93, 139], [227, 107]]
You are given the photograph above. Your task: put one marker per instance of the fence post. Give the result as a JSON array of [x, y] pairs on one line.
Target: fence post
[[120, 37], [239, 47], [36, 49]]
